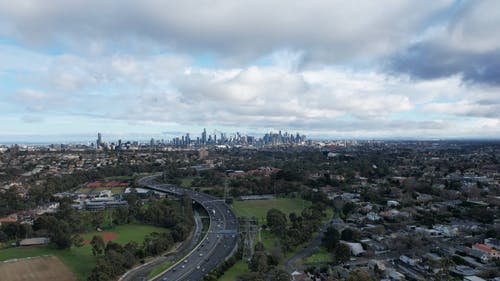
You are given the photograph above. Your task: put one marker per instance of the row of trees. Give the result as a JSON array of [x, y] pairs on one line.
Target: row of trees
[[115, 259], [300, 228]]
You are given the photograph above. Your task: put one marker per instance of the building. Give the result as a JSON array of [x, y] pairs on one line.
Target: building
[[202, 154], [492, 243], [98, 142], [409, 261], [473, 278], [492, 253], [8, 219], [356, 248], [34, 241]]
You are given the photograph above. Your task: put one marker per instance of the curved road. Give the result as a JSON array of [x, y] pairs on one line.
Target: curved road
[[220, 242], [141, 272]]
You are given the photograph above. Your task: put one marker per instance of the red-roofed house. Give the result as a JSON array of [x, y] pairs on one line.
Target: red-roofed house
[[94, 184], [8, 219], [492, 253]]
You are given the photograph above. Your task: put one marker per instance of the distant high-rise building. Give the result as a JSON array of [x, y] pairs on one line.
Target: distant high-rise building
[[99, 140], [204, 136]]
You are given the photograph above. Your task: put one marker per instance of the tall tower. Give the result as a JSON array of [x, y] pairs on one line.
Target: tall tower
[[99, 140], [204, 136]]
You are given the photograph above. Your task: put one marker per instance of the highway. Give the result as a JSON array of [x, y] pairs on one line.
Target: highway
[[219, 243]]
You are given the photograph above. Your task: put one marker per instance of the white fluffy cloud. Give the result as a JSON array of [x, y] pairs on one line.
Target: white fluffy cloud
[[170, 90]]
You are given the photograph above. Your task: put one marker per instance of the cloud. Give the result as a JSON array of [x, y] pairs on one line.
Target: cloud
[[35, 100], [170, 90], [327, 67], [268, 97], [466, 44], [327, 31]]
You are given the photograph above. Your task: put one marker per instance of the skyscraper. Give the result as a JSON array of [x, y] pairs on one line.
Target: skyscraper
[[204, 136], [99, 141]]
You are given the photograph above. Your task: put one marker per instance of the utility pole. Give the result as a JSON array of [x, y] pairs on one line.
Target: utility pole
[[250, 229], [225, 190]]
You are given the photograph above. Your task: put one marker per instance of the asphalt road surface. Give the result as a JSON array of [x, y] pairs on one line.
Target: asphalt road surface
[[219, 243]]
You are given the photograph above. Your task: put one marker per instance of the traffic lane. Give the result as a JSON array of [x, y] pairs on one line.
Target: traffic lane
[[196, 258], [198, 262], [219, 247], [212, 263]]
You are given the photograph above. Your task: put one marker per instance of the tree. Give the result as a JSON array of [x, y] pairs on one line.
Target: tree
[[103, 271], [259, 247], [120, 216], [61, 235], [359, 274], [258, 263], [350, 234], [279, 275], [348, 208], [341, 253], [77, 240], [97, 244], [331, 238], [276, 220], [3, 237]]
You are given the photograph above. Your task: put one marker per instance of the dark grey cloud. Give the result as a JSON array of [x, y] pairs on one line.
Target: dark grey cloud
[[466, 44], [327, 31], [429, 61]]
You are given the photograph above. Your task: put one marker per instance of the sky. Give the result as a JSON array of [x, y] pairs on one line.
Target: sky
[[329, 69]]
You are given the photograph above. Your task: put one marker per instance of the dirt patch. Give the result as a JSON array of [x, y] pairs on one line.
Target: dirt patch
[[109, 236], [106, 236], [36, 269]]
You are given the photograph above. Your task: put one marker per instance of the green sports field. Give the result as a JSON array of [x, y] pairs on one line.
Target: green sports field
[[259, 208], [80, 260]]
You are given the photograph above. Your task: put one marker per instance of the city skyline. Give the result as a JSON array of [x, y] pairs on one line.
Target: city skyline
[[328, 69]]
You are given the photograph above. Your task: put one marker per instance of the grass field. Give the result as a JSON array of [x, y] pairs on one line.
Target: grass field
[[320, 257], [80, 260], [236, 270], [186, 182], [268, 239], [36, 269], [259, 208]]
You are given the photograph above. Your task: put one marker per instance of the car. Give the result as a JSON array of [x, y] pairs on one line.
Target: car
[[201, 254], [183, 266], [198, 267]]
